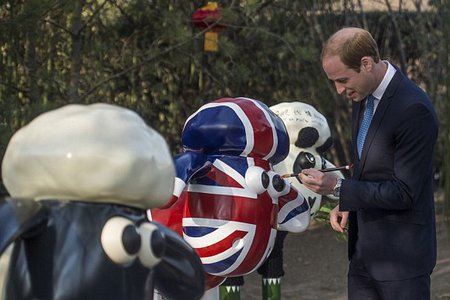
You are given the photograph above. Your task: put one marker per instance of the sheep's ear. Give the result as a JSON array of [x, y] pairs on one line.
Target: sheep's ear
[[20, 217]]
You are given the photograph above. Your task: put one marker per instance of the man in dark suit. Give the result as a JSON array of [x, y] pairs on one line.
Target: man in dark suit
[[388, 202]]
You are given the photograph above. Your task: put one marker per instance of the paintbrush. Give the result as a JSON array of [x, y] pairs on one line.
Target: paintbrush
[[347, 167]]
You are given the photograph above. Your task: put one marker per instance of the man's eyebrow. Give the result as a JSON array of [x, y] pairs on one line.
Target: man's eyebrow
[[340, 80]]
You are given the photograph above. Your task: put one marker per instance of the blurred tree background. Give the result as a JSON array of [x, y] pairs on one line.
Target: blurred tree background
[[147, 56]]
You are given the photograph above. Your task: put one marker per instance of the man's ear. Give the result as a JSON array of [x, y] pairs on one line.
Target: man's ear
[[366, 63]]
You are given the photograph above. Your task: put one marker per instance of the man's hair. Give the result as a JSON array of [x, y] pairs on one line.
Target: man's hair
[[352, 48]]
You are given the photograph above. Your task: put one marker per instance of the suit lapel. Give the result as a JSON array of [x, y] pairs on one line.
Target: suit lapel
[[382, 107], [356, 116]]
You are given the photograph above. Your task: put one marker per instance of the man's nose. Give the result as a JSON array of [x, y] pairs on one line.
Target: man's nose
[[339, 87]]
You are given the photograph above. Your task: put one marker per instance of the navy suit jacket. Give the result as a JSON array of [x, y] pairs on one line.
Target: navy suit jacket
[[390, 194]]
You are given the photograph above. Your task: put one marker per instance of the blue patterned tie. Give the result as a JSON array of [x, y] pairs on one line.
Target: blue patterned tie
[[368, 114]]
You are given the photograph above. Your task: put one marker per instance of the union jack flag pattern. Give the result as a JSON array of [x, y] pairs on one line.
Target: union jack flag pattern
[[227, 202]]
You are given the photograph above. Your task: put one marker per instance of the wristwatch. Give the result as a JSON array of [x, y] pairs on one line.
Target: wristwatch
[[337, 188]]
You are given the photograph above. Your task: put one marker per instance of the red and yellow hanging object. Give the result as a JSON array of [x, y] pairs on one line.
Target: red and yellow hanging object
[[208, 17]]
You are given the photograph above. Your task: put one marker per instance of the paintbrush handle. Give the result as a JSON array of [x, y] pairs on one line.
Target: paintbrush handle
[[347, 167]]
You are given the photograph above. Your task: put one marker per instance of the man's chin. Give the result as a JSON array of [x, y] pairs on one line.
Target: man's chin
[[354, 98]]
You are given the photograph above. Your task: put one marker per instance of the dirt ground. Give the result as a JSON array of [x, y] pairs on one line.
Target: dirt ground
[[315, 264]]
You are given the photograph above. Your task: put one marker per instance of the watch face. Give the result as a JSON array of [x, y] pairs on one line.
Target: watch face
[[337, 191], [337, 188]]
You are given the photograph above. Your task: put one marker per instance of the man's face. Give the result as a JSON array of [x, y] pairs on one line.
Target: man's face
[[348, 82]]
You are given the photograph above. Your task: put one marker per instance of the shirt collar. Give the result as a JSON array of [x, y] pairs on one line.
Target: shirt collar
[[378, 93]]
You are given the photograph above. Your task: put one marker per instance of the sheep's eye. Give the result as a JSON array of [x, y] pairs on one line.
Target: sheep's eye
[[304, 160], [153, 245], [257, 179], [120, 240], [277, 185]]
